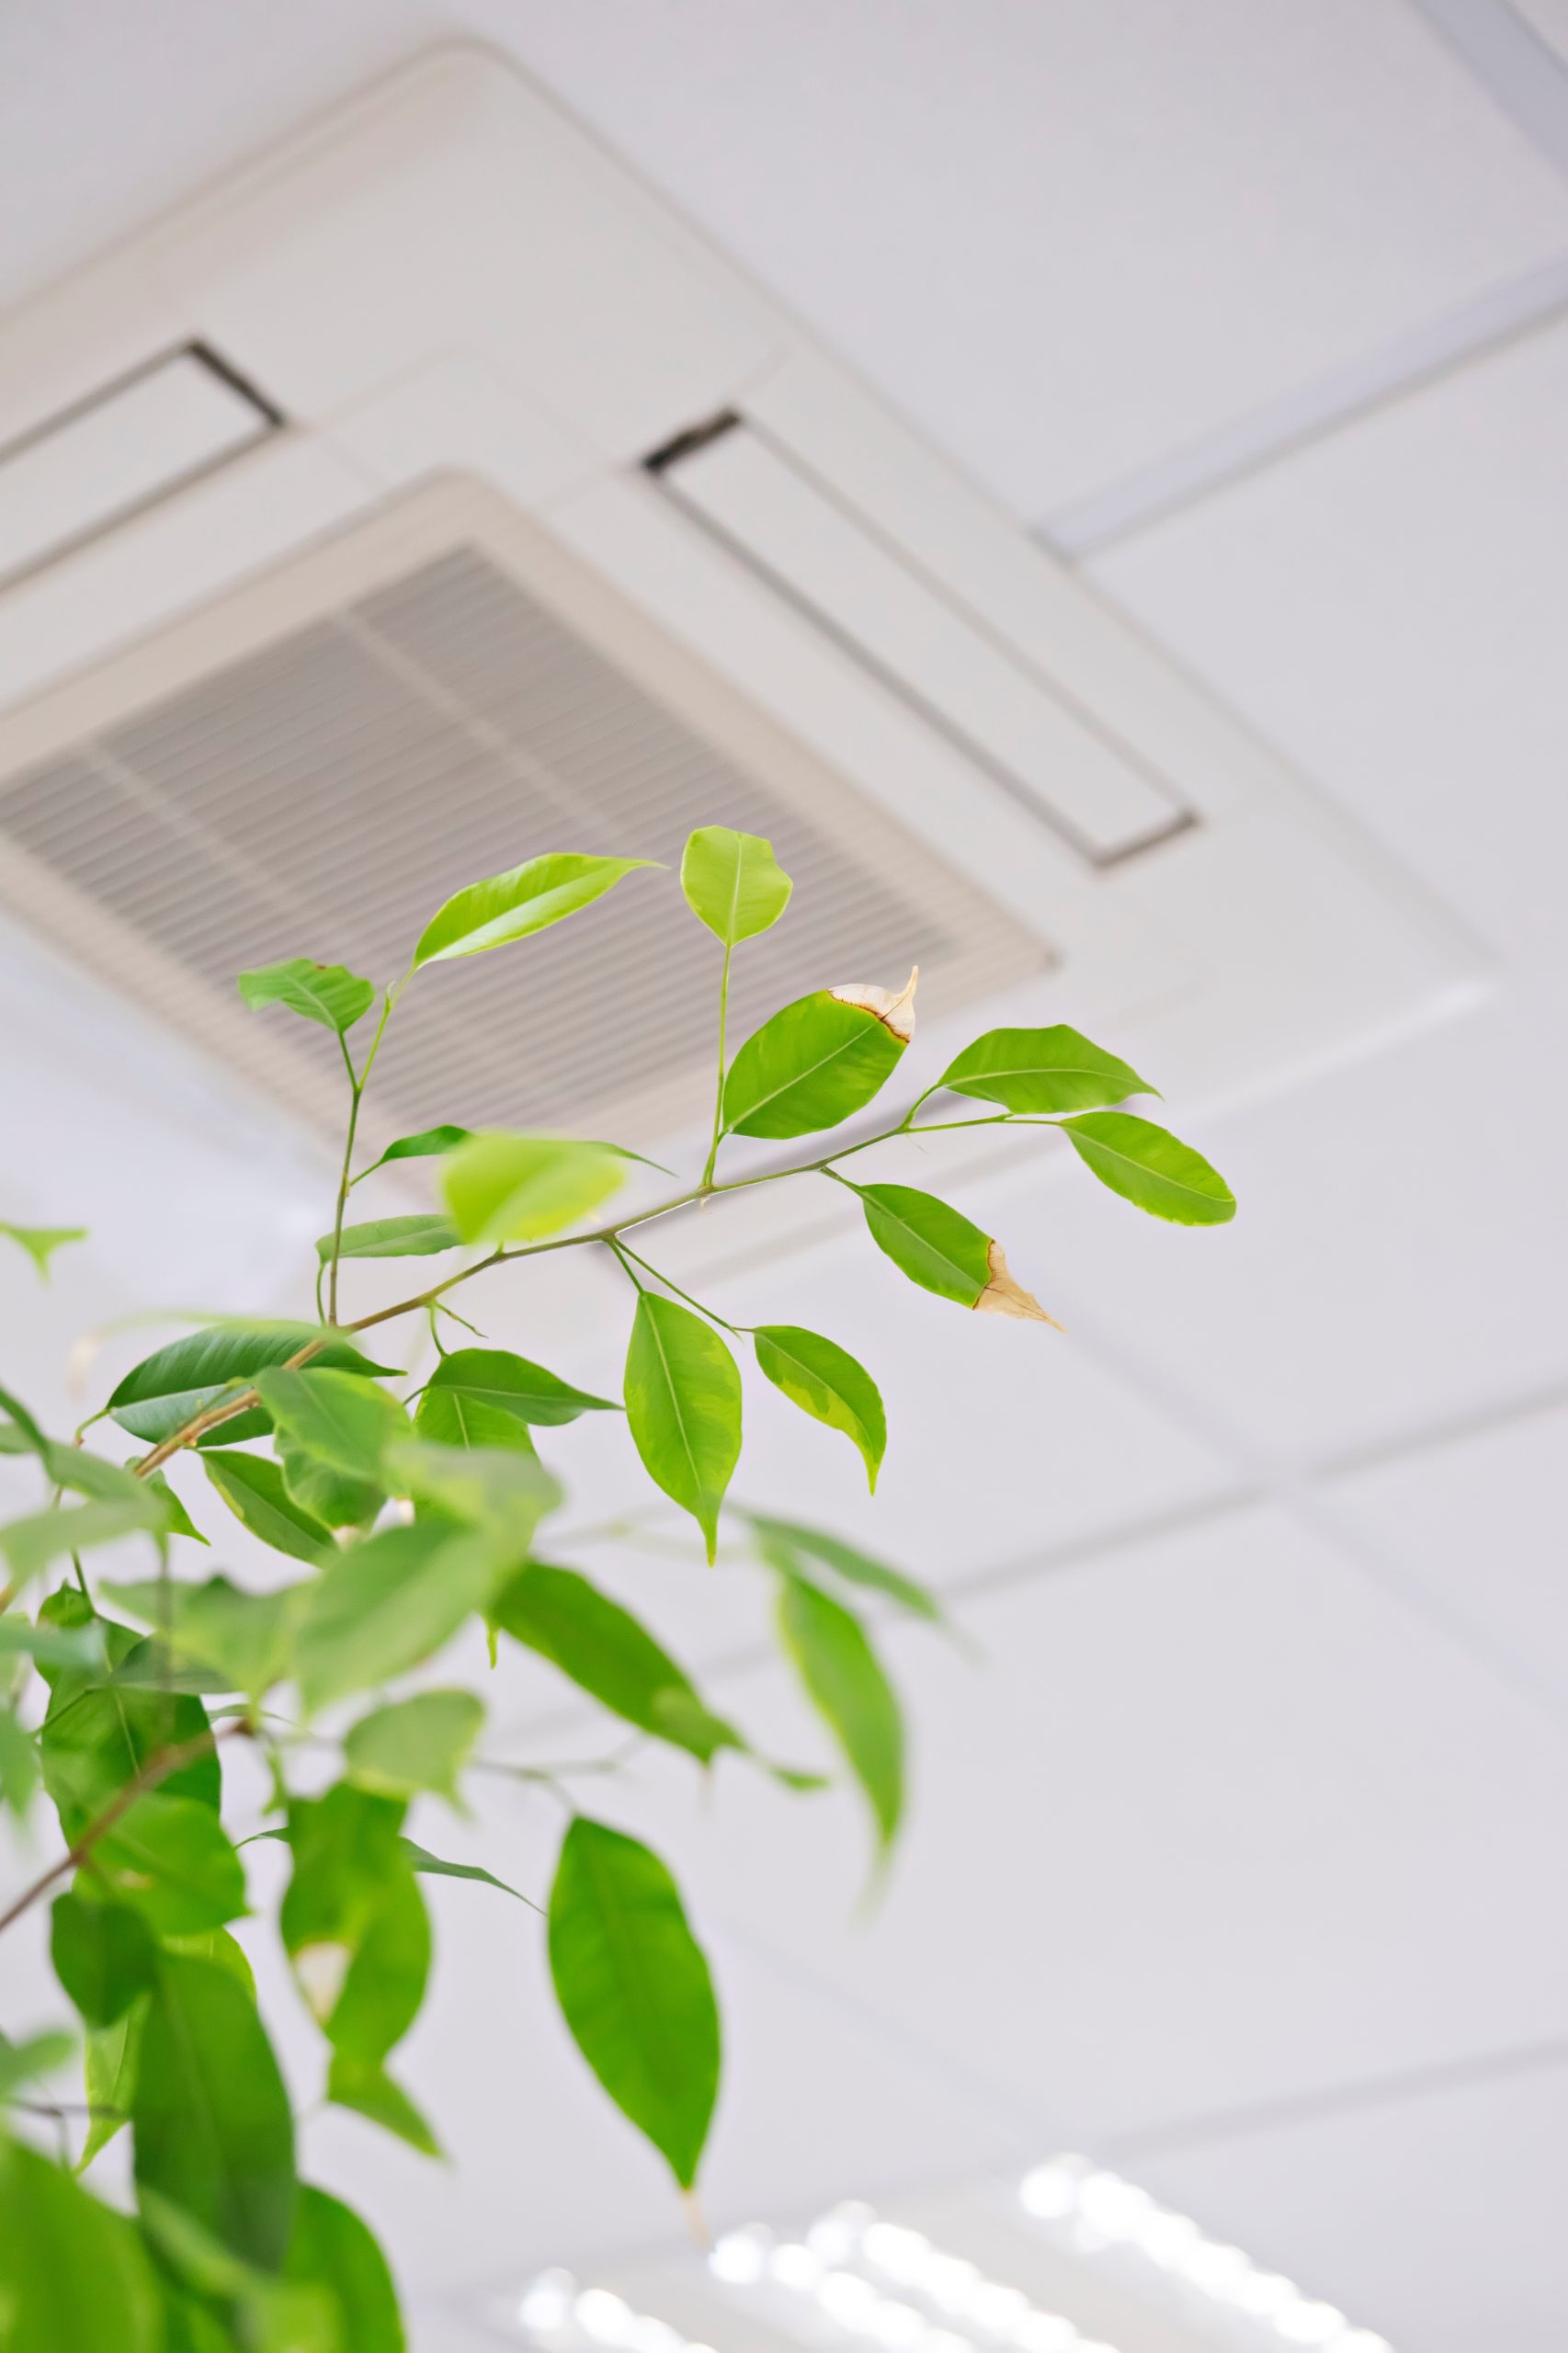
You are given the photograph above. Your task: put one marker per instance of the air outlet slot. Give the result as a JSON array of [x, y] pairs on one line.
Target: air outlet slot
[[325, 792]]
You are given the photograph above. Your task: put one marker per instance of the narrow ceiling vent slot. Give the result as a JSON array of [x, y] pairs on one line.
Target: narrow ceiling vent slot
[[325, 793], [132, 442], [751, 493]]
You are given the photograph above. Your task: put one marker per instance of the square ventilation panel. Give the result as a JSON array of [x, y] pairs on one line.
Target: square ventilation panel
[[312, 765]]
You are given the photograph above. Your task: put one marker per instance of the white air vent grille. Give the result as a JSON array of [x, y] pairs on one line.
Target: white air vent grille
[[325, 793]]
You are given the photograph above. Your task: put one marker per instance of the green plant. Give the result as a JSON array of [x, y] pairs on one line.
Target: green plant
[[399, 1521]]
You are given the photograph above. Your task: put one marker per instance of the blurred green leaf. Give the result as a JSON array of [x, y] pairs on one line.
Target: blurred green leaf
[[526, 899], [53, 1645], [74, 2275], [96, 1738], [326, 992], [332, 1431], [20, 1767], [525, 1188], [332, 2249], [168, 1856], [683, 1405], [172, 1386], [387, 1602], [29, 2062], [418, 1744], [30, 1543], [634, 1989], [813, 1063], [103, 1954], [211, 2124], [245, 1637], [606, 1653], [792, 1548], [503, 1491], [1042, 1070], [423, 1860], [1151, 1168], [422, 1236], [493, 1377], [353, 1922], [252, 1485], [827, 1383], [844, 1680], [40, 1242], [370, 2092], [732, 882]]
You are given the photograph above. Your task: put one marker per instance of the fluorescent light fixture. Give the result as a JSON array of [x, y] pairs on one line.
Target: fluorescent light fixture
[[128, 445], [1094, 2211], [965, 678]]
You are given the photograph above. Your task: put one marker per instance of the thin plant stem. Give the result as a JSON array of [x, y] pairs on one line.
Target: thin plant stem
[[706, 1184], [624, 1250], [358, 1081]]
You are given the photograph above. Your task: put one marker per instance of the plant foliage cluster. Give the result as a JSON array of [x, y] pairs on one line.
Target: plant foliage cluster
[[399, 1516]]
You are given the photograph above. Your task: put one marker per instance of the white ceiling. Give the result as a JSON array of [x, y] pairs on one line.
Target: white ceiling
[[1239, 1855]]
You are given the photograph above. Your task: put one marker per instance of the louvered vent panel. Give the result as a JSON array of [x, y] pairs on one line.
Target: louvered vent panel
[[324, 796]]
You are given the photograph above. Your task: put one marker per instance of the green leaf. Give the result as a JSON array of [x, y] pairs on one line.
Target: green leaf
[[18, 1765], [1042, 1070], [103, 1954], [370, 2092], [30, 1543], [512, 1385], [426, 1145], [825, 1381], [814, 1063], [844, 1680], [524, 1188], [512, 905], [418, 1744], [109, 2060], [40, 1242], [333, 1432], [252, 1485], [53, 1645], [788, 1546], [169, 1388], [30, 2061], [937, 1247], [450, 1417], [423, 1860], [732, 882], [95, 1738], [634, 1989], [606, 1653], [332, 2249], [244, 1637], [170, 1859], [683, 1405], [211, 2119], [353, 1922], [74, 2275], [502, 1491], [324, 992], [393, 1237], [21, 1425], [387, 1602], [1151, 1168]]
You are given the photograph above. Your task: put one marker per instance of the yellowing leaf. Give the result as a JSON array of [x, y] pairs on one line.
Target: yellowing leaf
[[1003, 1296], [526, 899], [324, 992], [893, 1008], [524, 1188], [732, 882]]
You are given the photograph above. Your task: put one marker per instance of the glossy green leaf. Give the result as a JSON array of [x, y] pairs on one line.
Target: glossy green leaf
[[1056, 1069], [610, 1654], [526, 899], [74, 2275], [418, 1744], [353, 1922], [511, 1384], [634, 1989], [245, 1638], [96, 1738], [683, 1405], [797, 1550], [814, 1063], [332, 1431], [934, 1244], [30, 1543], [169, 1858], [211, 2118], [370, 2092], [844, 1680], [103, 1955], [387, 1602], [827, 1383], [326, 992], [1151, 1168], [423, 1860], [252, 1485], [429, 1144], [422, 1236], [169, 1388], [452, 1417], [525, 1188], [330, 2249], [732, 882], [40, 1242]]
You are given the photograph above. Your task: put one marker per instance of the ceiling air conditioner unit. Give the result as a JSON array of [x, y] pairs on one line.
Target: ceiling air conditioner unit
[[427, 494]]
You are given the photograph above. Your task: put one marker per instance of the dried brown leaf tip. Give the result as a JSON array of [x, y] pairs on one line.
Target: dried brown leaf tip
[[894, 1012], [1003, 1296]]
